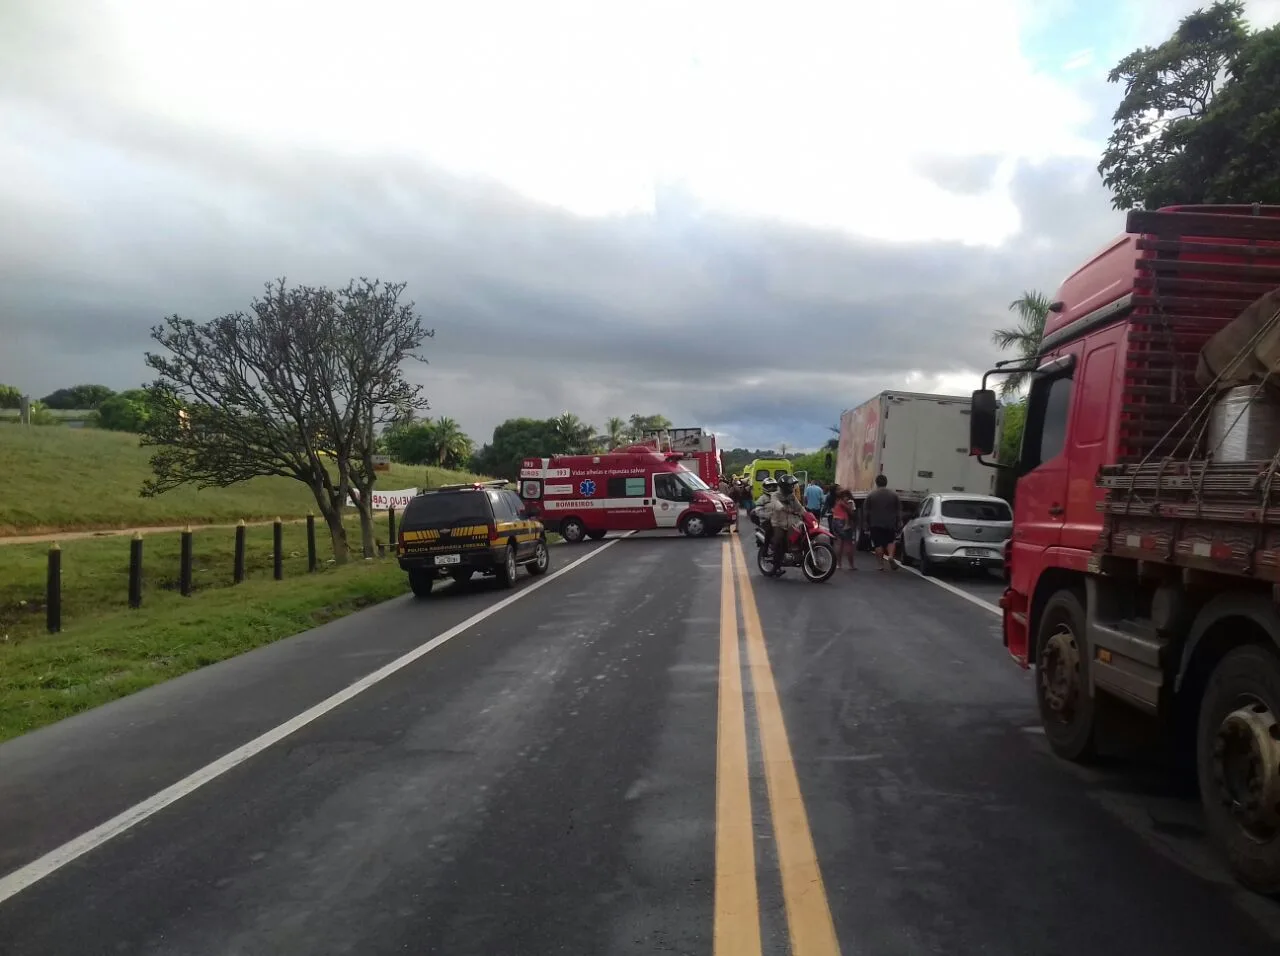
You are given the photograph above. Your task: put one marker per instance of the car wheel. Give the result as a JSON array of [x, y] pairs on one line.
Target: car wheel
[[926, 567], [573, 530], [420, 582], [541, 559], [694, 526], [507, 570]]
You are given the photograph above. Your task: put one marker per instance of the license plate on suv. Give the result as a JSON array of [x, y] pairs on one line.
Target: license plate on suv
[[981, 553], [448, 559]]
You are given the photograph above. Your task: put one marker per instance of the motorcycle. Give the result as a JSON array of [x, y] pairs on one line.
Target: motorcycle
[[811, 548]]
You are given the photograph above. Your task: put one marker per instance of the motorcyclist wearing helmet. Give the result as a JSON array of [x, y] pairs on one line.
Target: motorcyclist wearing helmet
[[786, 514], [760, 510]]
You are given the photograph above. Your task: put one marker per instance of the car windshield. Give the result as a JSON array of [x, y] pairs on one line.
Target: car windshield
[[690, 480], [447, 508], [970, 509]]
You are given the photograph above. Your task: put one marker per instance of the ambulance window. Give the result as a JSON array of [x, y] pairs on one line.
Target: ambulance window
[[762, 474], [622, 487], [666, 486], [691, 480]]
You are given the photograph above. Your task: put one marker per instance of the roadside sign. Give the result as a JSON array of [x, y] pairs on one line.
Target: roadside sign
[[381, 462]]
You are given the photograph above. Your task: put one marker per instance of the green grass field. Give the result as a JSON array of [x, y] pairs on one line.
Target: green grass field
[[109, 651], [59, 479], [82, 479]]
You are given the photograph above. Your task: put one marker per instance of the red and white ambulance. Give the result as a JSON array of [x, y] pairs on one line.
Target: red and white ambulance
[[636, 488]]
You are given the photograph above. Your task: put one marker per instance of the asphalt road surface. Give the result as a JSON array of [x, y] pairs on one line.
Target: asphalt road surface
[[654, 751]]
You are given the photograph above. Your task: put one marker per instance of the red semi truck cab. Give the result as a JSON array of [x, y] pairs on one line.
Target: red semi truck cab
[[636, 488], [1144, 576]]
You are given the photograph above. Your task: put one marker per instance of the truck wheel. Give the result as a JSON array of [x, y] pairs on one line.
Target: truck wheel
[[507, 569], [420, 582], [573, 530], [1238, 764], [1062, 679], [694, 526]]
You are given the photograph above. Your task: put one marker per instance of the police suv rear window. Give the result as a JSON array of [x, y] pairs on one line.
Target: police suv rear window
[[447, 507]]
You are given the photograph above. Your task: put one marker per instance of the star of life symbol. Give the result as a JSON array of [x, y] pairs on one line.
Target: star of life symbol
[[587, 488]]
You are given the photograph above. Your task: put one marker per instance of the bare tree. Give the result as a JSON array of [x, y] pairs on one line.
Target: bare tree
[[293, 388]]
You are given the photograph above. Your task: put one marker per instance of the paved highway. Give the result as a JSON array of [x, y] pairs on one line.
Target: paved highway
[[651, 751]]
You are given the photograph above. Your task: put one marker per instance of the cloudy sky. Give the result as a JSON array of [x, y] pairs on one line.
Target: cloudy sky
[[743, 215]]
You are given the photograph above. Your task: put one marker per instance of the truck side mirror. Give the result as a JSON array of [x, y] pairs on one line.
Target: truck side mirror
[[982, 422]]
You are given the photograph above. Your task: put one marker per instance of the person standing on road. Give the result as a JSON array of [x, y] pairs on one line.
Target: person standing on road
[[844, 520], [883, 511], [813, 499]]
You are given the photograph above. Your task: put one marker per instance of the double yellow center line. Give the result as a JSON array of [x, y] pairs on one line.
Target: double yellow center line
[[737, 898]]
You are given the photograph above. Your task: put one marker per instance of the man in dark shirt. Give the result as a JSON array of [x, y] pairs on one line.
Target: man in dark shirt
[[883, 511]]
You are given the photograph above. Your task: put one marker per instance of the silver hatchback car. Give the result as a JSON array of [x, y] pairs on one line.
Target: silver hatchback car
[[958, 530]]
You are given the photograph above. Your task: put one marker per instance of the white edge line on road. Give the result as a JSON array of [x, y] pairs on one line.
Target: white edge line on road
[[958, 592], [33, 872]]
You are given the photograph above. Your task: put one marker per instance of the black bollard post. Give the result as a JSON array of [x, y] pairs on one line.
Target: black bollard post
[[53, 590], [135, 572], [184, 564], [311, 542], [391, 530], [277, 547], [237, 570]]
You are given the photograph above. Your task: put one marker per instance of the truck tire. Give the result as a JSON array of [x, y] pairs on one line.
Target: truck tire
[[1067, 708], [573, 530], [1238, 764]]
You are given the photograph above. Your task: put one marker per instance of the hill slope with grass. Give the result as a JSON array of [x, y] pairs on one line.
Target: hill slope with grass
[[84, 479]]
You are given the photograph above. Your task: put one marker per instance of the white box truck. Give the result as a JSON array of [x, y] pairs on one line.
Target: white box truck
[[920, 443]]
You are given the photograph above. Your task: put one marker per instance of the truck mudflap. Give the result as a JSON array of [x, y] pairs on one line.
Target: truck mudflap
[[1013, 607]]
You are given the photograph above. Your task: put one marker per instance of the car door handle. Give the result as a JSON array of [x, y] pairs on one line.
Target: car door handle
[[1055, 510]]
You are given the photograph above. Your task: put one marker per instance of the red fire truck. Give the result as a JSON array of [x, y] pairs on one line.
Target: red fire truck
[[698, 446], [636, 488], [1144, 564]]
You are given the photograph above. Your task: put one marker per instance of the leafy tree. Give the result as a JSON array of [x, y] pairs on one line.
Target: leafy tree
[[41, 415], [450, 446], [576, 436], [1012, 423], [10, 397], [127, 411], [1158, 153], [295, 388], [77, 397], [1032, 309], [615, 433], [517, 439], [639, 424], [815, 463]]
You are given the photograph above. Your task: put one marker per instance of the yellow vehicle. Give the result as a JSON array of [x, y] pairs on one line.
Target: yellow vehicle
[[763, 468]]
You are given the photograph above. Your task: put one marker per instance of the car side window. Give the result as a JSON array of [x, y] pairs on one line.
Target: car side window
[[513, 503], [926, 508], [502, 510]]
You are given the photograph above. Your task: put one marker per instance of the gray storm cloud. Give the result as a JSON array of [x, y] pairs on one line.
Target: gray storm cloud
[[755, 328]]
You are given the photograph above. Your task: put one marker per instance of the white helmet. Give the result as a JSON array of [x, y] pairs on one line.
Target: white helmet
[[769, 484]]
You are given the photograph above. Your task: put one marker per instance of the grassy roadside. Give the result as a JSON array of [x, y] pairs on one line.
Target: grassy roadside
[[45, 678], [83, 479], [106, 650]]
